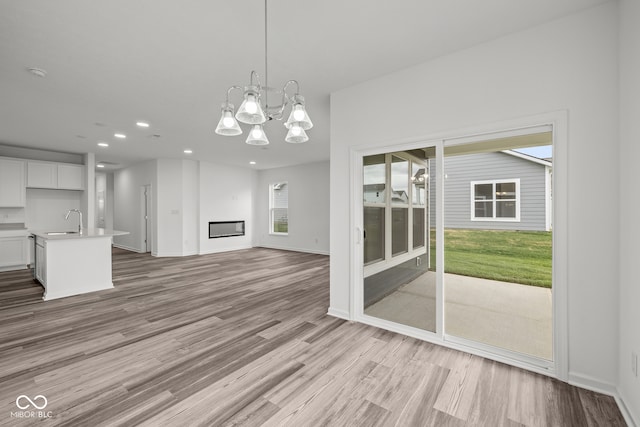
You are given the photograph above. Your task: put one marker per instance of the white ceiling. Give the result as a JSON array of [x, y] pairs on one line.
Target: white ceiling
[[111, 63]]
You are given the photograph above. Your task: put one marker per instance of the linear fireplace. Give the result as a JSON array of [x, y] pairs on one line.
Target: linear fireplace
[[219, 229]]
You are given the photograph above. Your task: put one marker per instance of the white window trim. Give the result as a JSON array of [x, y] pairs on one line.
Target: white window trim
[[494, 182], [391, 260], [272, 208]]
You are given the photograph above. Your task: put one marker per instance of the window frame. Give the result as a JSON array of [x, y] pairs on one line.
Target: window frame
[[272, 209], [494, 200], [390, 259]]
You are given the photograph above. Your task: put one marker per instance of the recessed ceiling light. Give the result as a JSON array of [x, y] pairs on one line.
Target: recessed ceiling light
[[37, 71], [102, 144], [187, 151], [252, 162], [120, 135], [142, 124], [100, 166]]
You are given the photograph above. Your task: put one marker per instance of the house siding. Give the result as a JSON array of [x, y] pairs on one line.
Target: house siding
[[461, 170]]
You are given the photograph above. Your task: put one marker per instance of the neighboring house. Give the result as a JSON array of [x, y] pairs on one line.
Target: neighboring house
[[503, 190]]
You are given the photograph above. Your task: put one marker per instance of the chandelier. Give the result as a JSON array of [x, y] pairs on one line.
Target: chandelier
[[255, 109]]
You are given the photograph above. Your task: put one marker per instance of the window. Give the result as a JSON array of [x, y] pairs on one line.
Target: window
[[279, 208], [418, 190], [495, 200], [375, 184], [399, 205], [395, 200]]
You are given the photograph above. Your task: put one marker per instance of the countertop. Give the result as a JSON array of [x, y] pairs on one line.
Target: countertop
[[11, 226], [86, 233], [13, 230]]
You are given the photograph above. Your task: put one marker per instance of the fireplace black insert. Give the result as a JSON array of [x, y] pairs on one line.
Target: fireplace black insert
[[219, 229]]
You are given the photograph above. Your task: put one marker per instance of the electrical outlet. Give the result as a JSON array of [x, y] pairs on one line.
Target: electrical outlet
[[634, 363]]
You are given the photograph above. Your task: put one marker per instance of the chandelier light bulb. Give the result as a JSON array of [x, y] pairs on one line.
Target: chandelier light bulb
[[298, 113], [228, 120], [251, 105], [256, 132], [296, 135], [250, 111], [298, 116]]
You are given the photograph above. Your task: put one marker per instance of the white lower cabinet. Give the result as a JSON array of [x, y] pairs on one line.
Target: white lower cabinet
[[41, 262], [14, 253]]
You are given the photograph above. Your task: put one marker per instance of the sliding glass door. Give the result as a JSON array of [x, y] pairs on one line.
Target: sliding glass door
[[399, 285], [457, 243]]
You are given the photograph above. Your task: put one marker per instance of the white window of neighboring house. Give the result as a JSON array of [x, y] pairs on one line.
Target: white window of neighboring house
[[495, 200], [279, 208]]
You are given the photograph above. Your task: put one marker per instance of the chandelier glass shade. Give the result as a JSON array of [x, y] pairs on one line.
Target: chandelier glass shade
[[228, 125], [257, 136], [255, 109]]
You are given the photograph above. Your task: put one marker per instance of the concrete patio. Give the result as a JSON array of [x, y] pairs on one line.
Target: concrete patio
[[506, 315]]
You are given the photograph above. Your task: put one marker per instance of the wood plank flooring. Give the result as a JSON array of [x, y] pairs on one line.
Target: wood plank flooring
[[242, 338]]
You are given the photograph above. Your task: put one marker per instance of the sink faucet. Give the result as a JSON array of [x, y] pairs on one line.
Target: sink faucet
[[79, 218]]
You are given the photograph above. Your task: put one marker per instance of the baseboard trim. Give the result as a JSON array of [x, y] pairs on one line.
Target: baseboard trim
[[217, 251], [593, 384], [48, 295], [14, 268], [173, 254], [284, 248], [127, 248], [335, 312], [629, 417]]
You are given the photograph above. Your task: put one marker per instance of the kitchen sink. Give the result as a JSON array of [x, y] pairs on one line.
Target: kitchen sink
[[60, 233]]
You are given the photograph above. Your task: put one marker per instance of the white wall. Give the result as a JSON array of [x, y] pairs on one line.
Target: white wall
[[308, 208], [104, 183], [569, 64], [226, 194], [629, 386], [46, 209], [169, 208], [88, 197], [190, 207], [128, 213]]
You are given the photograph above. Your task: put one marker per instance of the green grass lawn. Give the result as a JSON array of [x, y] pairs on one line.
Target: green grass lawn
[[509, 256]]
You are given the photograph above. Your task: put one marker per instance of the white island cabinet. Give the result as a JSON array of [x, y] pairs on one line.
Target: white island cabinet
[[74, 263]]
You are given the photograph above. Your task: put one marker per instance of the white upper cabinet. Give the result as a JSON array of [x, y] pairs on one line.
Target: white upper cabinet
[[61, 176], [42, 175], [12, 183], [70, 176]]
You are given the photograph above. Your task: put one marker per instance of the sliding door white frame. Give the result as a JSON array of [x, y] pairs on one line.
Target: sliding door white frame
[[557, 121]]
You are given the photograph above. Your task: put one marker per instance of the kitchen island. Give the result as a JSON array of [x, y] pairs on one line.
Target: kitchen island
[[72, 263]]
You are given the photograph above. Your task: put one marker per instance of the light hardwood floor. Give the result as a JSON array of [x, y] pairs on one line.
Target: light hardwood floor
[[242, 338]]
